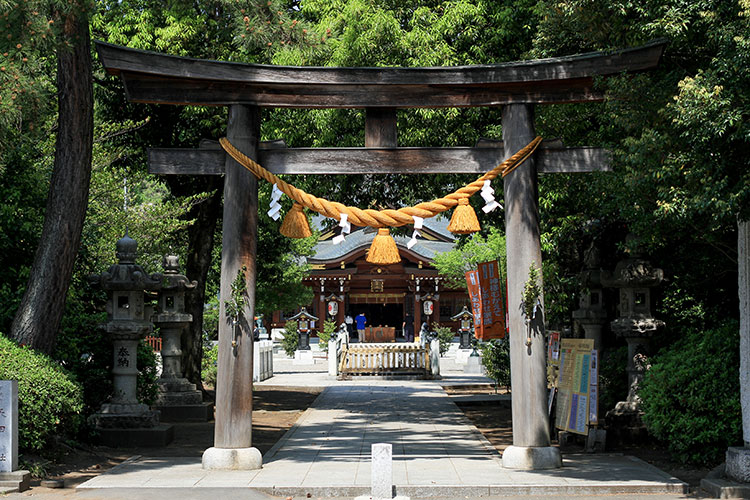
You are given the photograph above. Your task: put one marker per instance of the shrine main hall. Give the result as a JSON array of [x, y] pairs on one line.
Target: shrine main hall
[[386, 294]]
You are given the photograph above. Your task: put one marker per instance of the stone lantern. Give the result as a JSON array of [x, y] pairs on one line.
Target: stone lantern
[[465, 318], [119, 420], [179, 400], [303, 355], [591, 314], [634, 277]]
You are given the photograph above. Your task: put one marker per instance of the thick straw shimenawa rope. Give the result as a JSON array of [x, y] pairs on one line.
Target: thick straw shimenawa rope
[[380, 218]]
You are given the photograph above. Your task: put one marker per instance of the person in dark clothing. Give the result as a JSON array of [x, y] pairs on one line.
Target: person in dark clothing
[[408, 328]]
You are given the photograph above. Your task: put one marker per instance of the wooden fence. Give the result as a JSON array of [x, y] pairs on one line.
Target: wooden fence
[[154, 342], [385, 359]]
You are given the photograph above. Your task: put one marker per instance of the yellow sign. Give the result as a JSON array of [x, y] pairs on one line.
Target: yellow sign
[[578, 376]]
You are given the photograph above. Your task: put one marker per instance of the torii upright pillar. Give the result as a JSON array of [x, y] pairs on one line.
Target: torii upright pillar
[[531, 440], [234, 385]]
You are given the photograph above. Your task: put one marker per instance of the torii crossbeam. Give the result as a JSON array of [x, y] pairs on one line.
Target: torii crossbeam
[[245, 88]]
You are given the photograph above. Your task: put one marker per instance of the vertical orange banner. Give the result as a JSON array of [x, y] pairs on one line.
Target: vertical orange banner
[[493, 302], [472, 283]]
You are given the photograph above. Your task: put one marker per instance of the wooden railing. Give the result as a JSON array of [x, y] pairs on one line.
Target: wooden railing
[[383, 359]]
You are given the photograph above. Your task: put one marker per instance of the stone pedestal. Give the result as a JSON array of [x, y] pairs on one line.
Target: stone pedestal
[[473, 365], [738, 464], [462, 356], [180, 401], [232, 459], [531, 457], [303, 358]]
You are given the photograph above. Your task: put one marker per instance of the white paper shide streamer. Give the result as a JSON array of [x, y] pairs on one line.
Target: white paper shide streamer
[[346, 228], [275, 208], [417, 226], [488, 194]]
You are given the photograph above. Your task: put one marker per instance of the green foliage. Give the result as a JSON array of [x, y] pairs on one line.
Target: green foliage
[[329, 327], [50, 402], [496, 361], [209, 364], [532, 291], [290, 341], [445, 337], [468, 253], [147, 387], [690, 395], [613, 378], [235, 306]]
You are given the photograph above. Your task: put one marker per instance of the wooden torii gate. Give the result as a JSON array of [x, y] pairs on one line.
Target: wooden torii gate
[[246, 88]]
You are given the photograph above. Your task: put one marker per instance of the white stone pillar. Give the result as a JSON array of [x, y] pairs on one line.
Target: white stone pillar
[[8, 425], [738, 458]]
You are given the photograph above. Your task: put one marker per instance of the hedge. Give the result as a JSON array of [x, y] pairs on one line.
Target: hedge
[[50, 403]]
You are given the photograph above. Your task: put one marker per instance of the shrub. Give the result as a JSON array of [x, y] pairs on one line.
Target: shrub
[[496, 361], [445, 337], [290, 341], [147, 386], [690, 396], [209, 365], [613, 378], [49, 401], [325, 335]]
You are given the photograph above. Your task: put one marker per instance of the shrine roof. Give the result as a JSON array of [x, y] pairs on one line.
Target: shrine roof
[[327, 252]]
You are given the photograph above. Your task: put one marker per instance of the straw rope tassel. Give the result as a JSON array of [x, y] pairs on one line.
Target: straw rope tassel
[[295, 223], [383, 249], [464, 220]]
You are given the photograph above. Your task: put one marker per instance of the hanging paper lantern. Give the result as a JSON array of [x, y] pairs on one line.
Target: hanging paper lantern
[[383, 249], [464, 220], [295, 223]]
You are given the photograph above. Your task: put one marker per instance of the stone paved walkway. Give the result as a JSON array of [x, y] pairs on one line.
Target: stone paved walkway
[[437, 453]]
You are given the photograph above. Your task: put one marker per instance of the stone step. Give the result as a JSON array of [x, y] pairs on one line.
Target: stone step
[[18, 480], [8, 489]]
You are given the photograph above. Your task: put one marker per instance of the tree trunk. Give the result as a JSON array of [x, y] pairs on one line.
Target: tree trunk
[[38, 317], [200, 250]]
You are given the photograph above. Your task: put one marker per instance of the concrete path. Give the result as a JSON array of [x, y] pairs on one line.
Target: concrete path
[[437, 453]]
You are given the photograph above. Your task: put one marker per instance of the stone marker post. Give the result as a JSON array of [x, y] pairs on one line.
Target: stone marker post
[[8, 425], [738, 458], [528, 364], [382, 471]]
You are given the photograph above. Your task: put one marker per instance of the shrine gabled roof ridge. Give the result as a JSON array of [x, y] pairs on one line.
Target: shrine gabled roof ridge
[[327, 252], [117, 59]]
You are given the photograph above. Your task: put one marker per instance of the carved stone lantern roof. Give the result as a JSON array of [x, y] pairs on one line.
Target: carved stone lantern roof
[[126, 274], [303, 315], [464, 314], [633, 271], [172, 279]]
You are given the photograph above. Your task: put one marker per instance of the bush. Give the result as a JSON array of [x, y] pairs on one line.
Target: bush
[[613, 378], [496, 361], [325, 335], [445, 337], [49, 401], [290, 341], [209, 364], [147, 386], [690, 395]]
